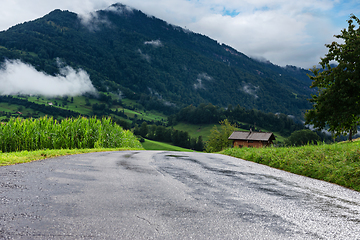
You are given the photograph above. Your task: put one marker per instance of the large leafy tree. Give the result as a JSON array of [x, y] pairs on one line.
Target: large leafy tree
[[218, 139], [337, 103]]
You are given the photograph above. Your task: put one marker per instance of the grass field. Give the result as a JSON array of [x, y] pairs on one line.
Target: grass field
[[196, 130], [153, 145], [337, 163], [204, 130], [26, 156]]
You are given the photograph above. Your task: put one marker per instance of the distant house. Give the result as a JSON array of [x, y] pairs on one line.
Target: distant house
[[252, 139]]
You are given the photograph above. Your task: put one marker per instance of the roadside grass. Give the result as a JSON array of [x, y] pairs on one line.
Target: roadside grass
[[29, 156], [153, 145], [337, 163]]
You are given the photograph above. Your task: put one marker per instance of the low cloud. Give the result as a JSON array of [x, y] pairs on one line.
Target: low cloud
[[17, 77], [93, 21], [120, 9], [144, 56], [154, 93], [250, 89], [199, 81], [156, 43], [199, 84]]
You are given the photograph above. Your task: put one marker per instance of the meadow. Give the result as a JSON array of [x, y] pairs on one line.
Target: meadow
[[154, 145], [337, 163]]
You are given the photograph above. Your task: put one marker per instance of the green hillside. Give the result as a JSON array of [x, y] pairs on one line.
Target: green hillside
[[161, 66]]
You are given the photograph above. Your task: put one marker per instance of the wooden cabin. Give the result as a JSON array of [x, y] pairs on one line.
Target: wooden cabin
[[252, 139]]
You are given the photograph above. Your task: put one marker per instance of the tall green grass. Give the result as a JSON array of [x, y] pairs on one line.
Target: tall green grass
[[48, 133], [336, 163]]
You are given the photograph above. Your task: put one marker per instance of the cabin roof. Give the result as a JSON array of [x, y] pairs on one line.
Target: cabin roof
[[254, 136]]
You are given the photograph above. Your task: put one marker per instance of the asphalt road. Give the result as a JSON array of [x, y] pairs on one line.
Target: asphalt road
[[169, 195]]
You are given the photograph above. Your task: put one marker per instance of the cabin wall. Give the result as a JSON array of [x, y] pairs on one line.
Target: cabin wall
[[242, 143]]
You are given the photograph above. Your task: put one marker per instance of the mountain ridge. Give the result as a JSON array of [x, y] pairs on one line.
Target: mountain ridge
[[147, 59]]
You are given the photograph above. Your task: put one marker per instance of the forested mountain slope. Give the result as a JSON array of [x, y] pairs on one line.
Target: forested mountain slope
[[156, 63]]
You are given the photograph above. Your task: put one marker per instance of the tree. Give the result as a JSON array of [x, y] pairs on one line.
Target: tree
[[143, 131], [218, 139], [199, 146], [302, 137], [337, 103]]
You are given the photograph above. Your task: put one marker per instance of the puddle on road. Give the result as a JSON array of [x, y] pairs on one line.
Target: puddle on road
[[177, 156], [130, 155], [135, 168]]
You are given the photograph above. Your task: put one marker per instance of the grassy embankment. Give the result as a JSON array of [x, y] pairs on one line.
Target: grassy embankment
[[31, 139], [337, 163], [153, 145], [29, 156]]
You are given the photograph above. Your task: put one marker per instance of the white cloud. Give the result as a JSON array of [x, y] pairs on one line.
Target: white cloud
[[17, 77], [154, 43], [92, 21], [199, 81], [144, 56], [120, 9], [250, 89]]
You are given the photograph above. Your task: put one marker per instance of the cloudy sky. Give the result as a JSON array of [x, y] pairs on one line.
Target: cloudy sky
[[285, 32]]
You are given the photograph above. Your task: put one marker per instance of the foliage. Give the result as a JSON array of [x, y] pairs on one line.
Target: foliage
[[208, 113], [337, 104], [47, 133], [218, 139], [143, 129], [302, 137], [336, 163]]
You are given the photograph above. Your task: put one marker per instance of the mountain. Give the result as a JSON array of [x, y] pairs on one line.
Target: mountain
[[161, 65]]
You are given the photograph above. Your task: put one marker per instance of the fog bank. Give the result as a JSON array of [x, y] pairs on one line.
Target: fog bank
[[17, 77]]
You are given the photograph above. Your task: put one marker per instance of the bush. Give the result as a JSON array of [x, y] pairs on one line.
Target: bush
[[302, 137]]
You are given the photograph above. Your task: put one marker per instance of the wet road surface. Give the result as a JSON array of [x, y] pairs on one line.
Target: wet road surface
[[169, 195]]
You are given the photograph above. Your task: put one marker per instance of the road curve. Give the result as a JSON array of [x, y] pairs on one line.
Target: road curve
[[169, 195]]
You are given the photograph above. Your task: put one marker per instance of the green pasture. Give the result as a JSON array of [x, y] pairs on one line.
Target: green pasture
[[196, 130], [153, 145]]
